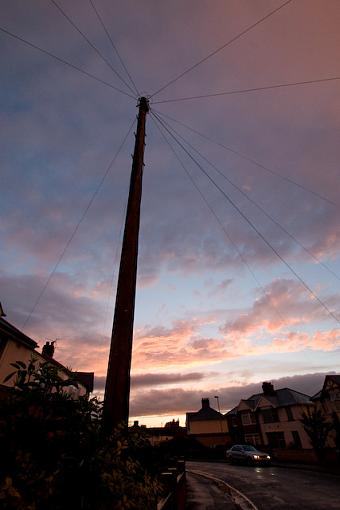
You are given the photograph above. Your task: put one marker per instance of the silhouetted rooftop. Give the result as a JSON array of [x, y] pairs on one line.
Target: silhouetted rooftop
[[8, 330], [280, 398]]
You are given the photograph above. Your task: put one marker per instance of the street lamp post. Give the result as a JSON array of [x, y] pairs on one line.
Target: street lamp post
[[219, 410]]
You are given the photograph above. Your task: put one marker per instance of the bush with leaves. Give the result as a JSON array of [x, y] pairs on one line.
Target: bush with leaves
[[56, 455]]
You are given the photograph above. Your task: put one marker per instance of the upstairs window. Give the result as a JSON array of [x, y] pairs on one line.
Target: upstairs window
[[289, 414], [246, 419], [269, 415]]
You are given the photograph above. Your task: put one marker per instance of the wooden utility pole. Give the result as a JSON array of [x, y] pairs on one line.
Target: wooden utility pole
[[117, 388]]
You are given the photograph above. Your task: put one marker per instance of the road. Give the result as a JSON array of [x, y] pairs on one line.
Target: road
[[276, 488]]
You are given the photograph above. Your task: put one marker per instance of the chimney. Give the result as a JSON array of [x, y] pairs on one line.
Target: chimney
[[48, 349], [205, 403], [268, 388]]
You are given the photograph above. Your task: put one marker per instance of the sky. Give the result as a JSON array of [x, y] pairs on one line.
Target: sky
[[239, 255]]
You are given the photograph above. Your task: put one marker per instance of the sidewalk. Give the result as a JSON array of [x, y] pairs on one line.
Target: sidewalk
[[203, 494]]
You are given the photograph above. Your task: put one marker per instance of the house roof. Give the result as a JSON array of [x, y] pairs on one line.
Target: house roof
[[335, 378], [8, 330], [284, 397], [205, 414], [280, 398]]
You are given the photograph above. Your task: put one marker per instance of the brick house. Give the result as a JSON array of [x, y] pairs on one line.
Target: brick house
[[328, 400], [271, 418]]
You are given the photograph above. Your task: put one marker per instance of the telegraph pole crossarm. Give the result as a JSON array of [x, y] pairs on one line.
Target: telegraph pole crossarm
[[117, 388]]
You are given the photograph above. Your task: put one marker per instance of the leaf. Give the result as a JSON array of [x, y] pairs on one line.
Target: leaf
[[7, 378], [21, 363], [15, 365]]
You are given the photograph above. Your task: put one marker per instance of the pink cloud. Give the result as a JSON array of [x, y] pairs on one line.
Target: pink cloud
[[282, 303]]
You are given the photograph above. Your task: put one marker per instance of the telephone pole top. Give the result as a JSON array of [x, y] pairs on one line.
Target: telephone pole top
[[143, 103], [117, 388]]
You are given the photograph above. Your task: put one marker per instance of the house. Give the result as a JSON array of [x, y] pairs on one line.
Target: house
[[328, 400], [271, 418], [208, 426], [17, 346], [158, 435]]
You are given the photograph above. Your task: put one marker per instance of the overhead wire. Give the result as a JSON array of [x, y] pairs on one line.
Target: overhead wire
[[248, 90], [247, 158], [65, 62], [256, 204], [75, 230], [90, 43], [220, 223], [114, 46], [217, 50], [250, 223]]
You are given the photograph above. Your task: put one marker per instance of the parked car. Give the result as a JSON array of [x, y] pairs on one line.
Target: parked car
[[247, 454]]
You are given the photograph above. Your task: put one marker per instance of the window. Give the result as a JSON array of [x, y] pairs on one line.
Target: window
[[276, 439], [270, 415], [3, 343], [296, 439], [246, 420], [252, 438], [289, 414]]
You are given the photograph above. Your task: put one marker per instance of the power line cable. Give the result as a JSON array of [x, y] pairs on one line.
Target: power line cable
[[46, 52], [114, 46], [247, 158], [238, 251], [228, 43], [250, 223], [104, 59], [75, 230], [246, 91], [256, 204]]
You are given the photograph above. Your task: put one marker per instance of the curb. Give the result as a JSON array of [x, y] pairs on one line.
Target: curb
[[238, 498]]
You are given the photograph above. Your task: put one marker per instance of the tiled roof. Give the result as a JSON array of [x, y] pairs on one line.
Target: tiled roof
[[205, 414], [286, 397], [8, 330], [280, 398]]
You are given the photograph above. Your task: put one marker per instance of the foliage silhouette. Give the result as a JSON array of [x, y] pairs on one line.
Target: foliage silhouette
[[55, 454]]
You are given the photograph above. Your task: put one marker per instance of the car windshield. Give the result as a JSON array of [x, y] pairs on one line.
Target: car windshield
[[249, 449]]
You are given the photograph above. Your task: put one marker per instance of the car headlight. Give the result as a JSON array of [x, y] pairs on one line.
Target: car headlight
[[256, 457], [268, 457]]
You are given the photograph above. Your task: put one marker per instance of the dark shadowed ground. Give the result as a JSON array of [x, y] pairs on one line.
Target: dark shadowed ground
[[271, 488]]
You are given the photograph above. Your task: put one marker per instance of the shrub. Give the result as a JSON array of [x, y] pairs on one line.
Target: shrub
[[55, 454]]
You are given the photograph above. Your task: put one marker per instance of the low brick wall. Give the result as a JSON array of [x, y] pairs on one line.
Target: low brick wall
[[298, 456]]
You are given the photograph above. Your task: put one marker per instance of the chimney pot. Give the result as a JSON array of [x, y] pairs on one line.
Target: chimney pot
[[268, 388], [205, 403]]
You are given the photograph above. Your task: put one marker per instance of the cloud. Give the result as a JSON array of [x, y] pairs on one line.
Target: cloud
[[282, 303], [62, 129], [156, 379], [179, 401]]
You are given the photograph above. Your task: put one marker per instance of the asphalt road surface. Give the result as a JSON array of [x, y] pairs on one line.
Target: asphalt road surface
[[271, 488]]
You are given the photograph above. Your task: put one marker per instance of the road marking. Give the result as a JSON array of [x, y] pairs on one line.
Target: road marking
[[240, 499]]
